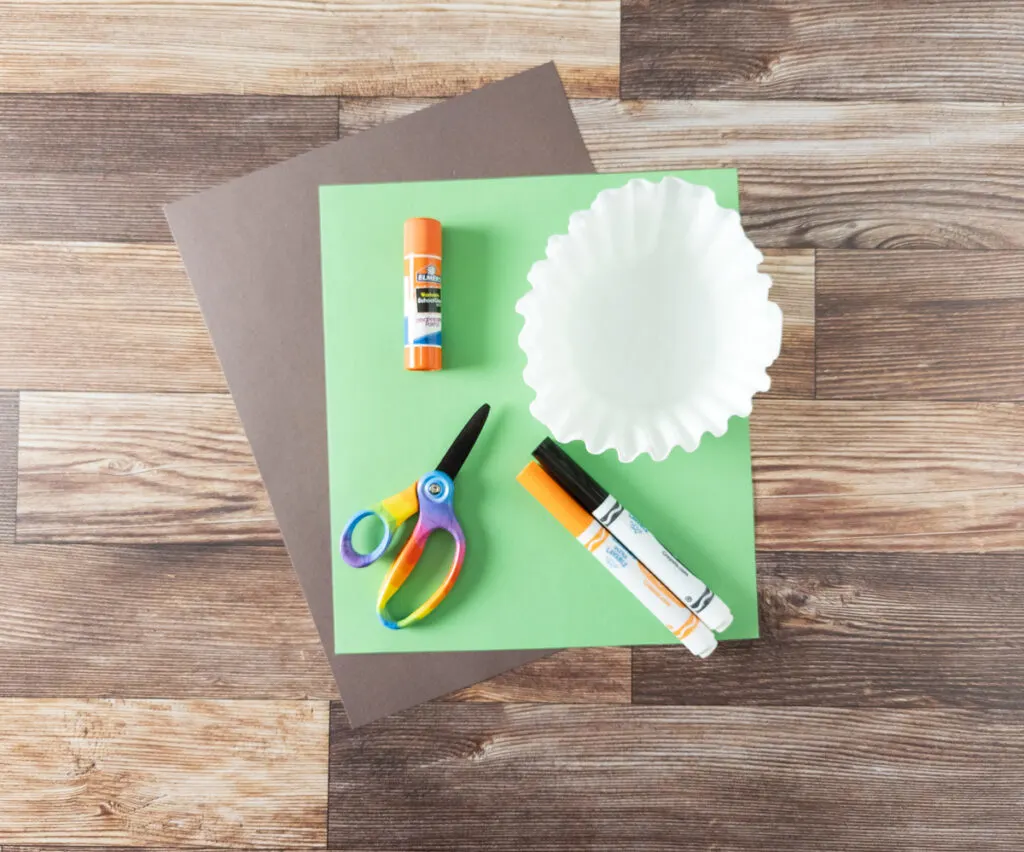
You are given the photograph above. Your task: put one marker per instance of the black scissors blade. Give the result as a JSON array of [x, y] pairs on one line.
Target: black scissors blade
[[459, 451]]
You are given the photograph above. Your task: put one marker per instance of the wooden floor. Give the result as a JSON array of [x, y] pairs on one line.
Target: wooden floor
[[161, 683]]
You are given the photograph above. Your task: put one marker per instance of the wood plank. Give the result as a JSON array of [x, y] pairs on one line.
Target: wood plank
[[102, 167], [138, 468], [572, 676], [792, 272], [863, 630], [174, 773], [101, 316], [548, 777], [922, 324], [184, 622], [874, 476], [828, 475], [122, 317], [837, 175], [344, 47], [812, 173], [8, 465], [940, 50]]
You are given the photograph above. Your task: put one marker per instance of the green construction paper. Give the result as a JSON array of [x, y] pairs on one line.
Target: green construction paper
[[526, 582]]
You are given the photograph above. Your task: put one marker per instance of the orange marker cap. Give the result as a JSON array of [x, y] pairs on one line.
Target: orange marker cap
[[552, 497], [423, 236]]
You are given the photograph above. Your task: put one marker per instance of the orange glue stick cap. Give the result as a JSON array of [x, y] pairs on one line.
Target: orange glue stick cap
[[552, 497], [423, 236]]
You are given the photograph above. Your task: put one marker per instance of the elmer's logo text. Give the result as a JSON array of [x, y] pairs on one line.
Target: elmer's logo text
[[428, 275]]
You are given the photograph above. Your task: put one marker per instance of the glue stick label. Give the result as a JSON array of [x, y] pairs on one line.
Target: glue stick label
[[422, 300]]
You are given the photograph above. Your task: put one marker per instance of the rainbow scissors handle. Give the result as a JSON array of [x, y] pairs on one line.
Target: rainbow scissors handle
[[393, 512], [432, 497]]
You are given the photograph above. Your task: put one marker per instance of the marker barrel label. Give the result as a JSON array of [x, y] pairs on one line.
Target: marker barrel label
[[649, 590], [691, 590]]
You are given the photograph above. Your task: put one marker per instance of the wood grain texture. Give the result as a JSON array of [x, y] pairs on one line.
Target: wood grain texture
[[828, 475], [849, 175], [175, 773], [101, 317], [122, 317], [8, 465], [888, 476], [342, 47], [438, 778], [85, 621], [939, 50], [572, 676], [102, 167], [854, 175], [837, 175], [922, 324], [863, 630], [358, 114], [792, 273], [138, 468], [174, 622]]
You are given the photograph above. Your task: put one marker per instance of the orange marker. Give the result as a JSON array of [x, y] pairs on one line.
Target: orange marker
[[645, 587], [422, 294]]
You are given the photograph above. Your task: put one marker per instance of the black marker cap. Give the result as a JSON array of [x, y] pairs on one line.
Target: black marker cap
[[569, 475]]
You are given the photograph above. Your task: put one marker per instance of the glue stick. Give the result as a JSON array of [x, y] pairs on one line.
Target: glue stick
[[422, 294]]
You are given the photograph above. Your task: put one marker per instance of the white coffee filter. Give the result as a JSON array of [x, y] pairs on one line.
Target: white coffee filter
[[648, 324]]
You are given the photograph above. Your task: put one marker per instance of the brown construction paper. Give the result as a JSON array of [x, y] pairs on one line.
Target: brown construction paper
[[251, 249]]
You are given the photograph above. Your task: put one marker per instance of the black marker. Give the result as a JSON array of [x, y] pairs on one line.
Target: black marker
[[612, 515]]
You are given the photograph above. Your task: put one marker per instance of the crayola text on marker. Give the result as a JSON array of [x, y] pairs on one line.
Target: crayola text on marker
[[422, 294]]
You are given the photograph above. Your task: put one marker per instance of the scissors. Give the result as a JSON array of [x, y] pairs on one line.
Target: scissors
[[431, 495]]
